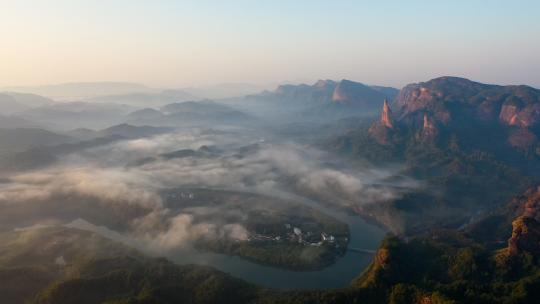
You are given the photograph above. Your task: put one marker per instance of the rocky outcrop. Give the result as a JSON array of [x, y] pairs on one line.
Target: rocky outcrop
[[351, 92], [520, 116], [459, 107], [387, 119], [382, 258], [513, 105], [437, 94], [385, 129], [526, 225], [414, 97], [525, 236], [327, 91], [429, 129], [344, 94], [327, 84], [520, 107]]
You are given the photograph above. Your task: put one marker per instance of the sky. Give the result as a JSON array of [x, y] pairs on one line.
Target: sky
[[167, 43]]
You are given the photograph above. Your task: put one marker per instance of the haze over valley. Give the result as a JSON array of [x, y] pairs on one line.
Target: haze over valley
[[217, 153]]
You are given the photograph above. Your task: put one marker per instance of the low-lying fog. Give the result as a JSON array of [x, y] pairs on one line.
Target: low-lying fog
[[120, 184]]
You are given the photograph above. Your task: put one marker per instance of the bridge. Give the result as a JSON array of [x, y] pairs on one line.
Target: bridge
[[361, 250]]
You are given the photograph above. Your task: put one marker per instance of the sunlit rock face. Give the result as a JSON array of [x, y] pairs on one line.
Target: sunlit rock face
[[351, 92], [508, 115], [438, 96], [382, 258], [414, 97], [384, 129], [325, 84], [387, 119], [525, 236], [526, 227], [429, 129], [513, 105], [524, 116], [449, 106], [323, 101]]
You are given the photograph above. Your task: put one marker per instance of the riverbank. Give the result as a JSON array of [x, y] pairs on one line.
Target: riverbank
[[276, 232]]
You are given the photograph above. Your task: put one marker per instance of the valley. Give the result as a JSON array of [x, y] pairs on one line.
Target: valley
[[269, 152], [276, 233], [332, 205]]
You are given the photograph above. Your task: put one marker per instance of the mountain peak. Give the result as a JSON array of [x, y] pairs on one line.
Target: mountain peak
[[347, 91], [387, 119], [384, 131], [324, 83]]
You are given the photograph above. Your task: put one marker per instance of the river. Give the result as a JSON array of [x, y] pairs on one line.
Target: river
[[363, 235]]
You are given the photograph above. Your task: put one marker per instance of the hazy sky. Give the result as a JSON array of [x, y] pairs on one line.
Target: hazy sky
[[184, 43]]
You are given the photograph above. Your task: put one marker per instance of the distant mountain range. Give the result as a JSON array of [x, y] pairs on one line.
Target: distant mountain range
[[19, 139], [80, 90], [10, 122], [144, 99], [97, 115], [226, 90], [132, 93], [324, 100], [23, 149], [11, 102], [125, 131], [68, 115], [189, 113]]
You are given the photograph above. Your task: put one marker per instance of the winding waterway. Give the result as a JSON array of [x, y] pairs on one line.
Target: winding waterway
[[363, 236]]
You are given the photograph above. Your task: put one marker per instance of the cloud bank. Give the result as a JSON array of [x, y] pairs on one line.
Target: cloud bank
[[133, 193]]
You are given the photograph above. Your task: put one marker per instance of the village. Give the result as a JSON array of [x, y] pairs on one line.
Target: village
[[296, 235], [290, 233], [181, 194]]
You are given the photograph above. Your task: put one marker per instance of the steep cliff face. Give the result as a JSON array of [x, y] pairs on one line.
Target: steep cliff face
[[385, 129], [451, 105], [316, 94], [347, 91], [526, 224], [324, 100], [525, 236], [455, 266], [329, 91], [520, 115], [440, 94], [429, 129], [512, 105], [387, 119]]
